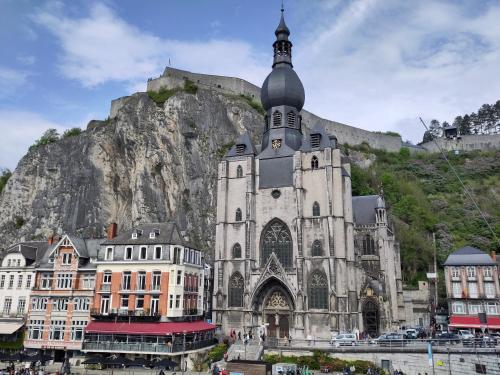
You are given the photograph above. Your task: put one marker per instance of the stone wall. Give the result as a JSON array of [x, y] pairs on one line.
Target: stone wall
[[345, 134], [416, 302], [465, 143], [415, 361]]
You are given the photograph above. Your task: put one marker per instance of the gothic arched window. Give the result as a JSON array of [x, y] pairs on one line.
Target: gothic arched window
[[276, 238], [238, 215], [316, 210], [236, 251], [368, 245], [239, 171], [236, 285], [276, 119], [318, 290], [317, 249], [314, 162]]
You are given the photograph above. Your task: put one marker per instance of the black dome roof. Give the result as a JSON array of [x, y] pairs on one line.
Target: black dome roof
[[282, 87]]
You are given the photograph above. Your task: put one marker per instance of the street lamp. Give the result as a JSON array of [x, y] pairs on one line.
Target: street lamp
[[183, 350]]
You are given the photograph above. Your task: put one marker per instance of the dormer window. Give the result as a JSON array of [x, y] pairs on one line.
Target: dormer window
[[134, 235], [315, 140], [276, 119], [240, 149], [108, 255], [290, 119], [154, 233]]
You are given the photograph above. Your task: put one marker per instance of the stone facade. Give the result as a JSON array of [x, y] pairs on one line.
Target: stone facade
[[416, 301]]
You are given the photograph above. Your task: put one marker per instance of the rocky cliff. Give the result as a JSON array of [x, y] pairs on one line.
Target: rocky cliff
[[152, 162]]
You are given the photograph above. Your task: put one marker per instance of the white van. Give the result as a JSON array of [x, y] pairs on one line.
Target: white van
[[344, 339]]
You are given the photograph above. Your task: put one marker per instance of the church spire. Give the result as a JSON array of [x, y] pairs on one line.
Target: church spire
[[282, 46]]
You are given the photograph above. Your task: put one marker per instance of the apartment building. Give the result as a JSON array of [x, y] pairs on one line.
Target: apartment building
[[62, 296], [17, 277], [472, 288], [149, 294]]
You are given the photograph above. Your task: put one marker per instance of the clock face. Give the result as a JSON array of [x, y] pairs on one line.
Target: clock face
[[276, 144]]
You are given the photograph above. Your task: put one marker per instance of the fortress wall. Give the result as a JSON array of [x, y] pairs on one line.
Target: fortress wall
[[466, 143]]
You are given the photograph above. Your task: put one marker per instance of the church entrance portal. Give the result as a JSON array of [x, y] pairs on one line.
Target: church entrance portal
[[371, 318]]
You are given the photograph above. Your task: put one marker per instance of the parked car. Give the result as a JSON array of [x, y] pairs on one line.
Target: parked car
[[447, 338], [344, 339], [465, 334], [391, 339], [410, 334]]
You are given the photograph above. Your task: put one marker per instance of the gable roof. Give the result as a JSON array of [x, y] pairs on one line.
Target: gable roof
[[469, 256], [168, 234], [363, 209], [30, 250], [324, 141]]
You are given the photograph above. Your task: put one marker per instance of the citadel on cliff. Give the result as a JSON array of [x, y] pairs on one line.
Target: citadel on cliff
[[295, 252]]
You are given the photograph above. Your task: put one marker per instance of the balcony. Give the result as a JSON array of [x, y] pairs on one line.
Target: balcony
[[125, 315], [145, 347], [190, 312]]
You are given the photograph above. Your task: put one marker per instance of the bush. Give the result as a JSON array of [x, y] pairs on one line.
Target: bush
[[160, 97], [73, 132], [50, 136], [4, 177], [217, 352], [253, 103], [190, 87], [19, 222]]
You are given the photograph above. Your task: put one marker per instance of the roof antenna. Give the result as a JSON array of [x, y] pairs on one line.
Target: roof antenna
[[282, 7]]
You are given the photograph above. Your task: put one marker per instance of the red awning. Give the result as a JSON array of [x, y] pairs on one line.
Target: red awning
[[465, 322], [493, 322], [156, 329]]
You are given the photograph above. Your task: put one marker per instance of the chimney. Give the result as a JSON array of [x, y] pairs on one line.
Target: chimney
[[494, 255], [111, 231], [51, 239]]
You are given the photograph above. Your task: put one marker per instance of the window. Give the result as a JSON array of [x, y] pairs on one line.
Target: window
[[171, 301], [156, 280], [154, 233], [457, 290], [45, 281], [139, 302], [473, 290], [126, 280], [28, 282], [158, 252], [134, 235], [9, 263], [276, 118], [317, 249], [64, 281], [179, 277], [489, 290], [11, 282], [177, 301], [236, 251], [77, 327], [60, 304], [314, 162], [108, 255], [7, 304], [19, 262], [82, 304], [155, 303], [475, 308], [236, 286], [471, 271], [238, 215], [66, 259], [455, 272], [104, 305], [239, 171], [106, 279], [19, 281], [21, 305], [487, 272], [141, 280], [124, 301], [458, 308], [128, 253], [2, 281], [276, 238], [315, 140], [88, 281], [290, 119], [177, 255], [316, 210], [240, 149], [38, 304], [318, 291], [35, 329], [56, 330], [492, 308], [143, 252], [368, 245]]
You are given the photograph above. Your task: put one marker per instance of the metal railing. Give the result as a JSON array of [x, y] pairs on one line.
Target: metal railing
[[147, 347]]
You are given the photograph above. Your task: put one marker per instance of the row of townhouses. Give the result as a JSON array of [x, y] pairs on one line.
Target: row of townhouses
[[145, 292]]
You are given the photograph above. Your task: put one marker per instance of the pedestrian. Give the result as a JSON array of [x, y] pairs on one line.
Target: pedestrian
[[239, 335], [161, 372], [216, 370]]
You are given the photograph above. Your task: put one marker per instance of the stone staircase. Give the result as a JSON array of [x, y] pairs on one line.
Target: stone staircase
[[252, 351]]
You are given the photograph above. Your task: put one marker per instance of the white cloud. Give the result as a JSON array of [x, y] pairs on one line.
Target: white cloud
[[20, 129], [11, 80], [26, 59]]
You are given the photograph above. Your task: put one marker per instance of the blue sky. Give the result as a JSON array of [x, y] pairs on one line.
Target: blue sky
[[375, 64]]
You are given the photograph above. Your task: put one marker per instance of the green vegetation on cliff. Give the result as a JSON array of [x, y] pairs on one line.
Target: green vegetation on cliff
[[4, 177], [424, 196]]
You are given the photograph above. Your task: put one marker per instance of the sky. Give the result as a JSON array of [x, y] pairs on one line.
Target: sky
[[374, 64]]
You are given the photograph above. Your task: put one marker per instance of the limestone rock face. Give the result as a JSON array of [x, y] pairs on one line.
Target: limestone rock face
[[150, 163]]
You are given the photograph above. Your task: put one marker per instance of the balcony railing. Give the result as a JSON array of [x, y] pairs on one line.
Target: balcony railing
[[105, 288], [112, 313], [146, 346]]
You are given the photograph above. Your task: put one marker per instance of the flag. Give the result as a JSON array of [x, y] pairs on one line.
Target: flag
[[429, 354]]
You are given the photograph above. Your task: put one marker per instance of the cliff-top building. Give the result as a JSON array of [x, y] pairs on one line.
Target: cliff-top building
[[295, 252]]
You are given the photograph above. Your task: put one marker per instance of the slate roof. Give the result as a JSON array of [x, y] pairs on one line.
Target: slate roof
[[169, 234], [31, 250], [87, 248], [469, 256], [325, 140], [244, 139], [363, 209]]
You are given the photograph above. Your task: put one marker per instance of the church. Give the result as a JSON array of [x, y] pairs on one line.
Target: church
[[296, 254]]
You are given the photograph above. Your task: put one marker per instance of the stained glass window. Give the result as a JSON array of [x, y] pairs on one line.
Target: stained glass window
[[317, 249], [236, 285], [368, 245], [236, 251], [276, 238], [316, 210], [238, 215], [318, 291]]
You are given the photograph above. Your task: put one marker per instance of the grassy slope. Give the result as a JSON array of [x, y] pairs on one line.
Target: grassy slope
[[424, 196]]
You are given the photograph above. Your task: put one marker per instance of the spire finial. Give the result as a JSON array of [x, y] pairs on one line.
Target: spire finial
[[282, 7]]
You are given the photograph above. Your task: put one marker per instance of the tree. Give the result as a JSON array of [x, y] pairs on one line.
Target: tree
[[465, 125], [428, 137], [4, 177], [72, 132], [50, 136], [435, 128]]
